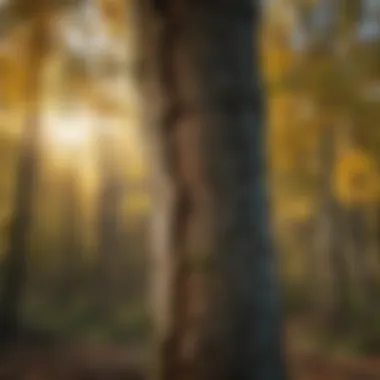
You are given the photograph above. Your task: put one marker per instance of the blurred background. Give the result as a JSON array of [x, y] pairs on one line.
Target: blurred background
[[77, 189]]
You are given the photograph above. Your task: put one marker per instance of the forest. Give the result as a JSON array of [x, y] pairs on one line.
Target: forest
[[189, 189]]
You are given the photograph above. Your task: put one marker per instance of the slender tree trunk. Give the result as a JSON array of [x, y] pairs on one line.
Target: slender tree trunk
[[365, 263], [333, 290], [213, 86], [71, 246], [373, 247], [26, 174], [109, 201]]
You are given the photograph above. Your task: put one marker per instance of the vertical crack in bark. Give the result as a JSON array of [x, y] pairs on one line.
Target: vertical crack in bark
[[173, 361], [223, 95]]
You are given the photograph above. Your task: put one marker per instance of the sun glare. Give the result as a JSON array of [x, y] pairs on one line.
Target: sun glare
[[68, 131], [69, 136]]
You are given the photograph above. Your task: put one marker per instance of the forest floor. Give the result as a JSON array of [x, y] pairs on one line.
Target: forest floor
[[91, 362], [72, 363], [310, 362], [324, 367]]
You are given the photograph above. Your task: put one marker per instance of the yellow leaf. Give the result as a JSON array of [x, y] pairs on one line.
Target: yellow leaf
[[356, 178]]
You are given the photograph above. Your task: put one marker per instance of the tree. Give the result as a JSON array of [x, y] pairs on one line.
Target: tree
[[109, 203], [213, 88], [26, 174], [111, 187], [70, 253]]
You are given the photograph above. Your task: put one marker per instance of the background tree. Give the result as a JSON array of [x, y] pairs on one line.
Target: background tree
[[27, 170]]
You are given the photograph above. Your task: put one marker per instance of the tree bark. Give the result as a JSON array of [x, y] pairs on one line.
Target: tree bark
[[213, 86], [160, 265]]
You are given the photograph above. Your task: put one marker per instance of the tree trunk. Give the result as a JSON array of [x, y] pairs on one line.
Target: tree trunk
[[172, 366], [214, 93], [332, 293], [109, 201], [365, 263], [71, 263], [25, 182], [161, 287]]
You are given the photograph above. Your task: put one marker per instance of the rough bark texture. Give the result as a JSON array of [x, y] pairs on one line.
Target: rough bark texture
[[214, 94], [172, 346], [161, 266]]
